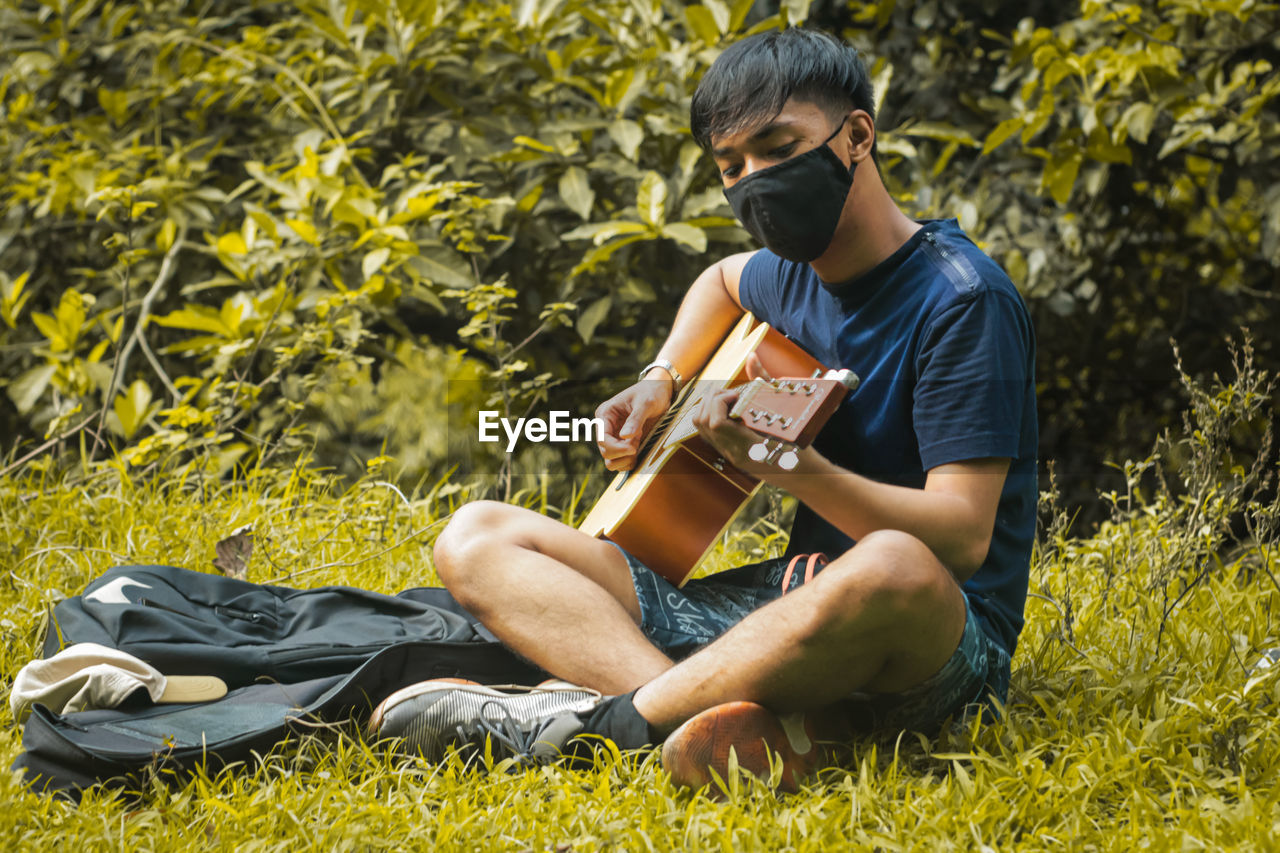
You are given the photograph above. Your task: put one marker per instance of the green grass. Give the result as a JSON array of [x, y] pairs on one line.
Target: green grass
[[1120, 734]]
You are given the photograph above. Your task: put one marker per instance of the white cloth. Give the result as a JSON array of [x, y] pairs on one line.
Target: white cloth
[[87, 677]]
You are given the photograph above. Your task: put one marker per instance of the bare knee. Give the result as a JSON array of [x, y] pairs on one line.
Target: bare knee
[[473, 529], [889, 573]]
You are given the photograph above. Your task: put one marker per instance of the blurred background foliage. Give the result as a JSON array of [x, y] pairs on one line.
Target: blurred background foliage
[[240, 233]]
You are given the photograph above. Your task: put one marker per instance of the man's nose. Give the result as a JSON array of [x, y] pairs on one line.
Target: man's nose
[[751, 163]]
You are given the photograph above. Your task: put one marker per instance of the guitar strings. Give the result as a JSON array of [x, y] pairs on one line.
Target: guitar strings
[[659, 430]]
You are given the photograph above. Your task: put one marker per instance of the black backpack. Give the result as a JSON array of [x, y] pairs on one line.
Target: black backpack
[[290, 658]]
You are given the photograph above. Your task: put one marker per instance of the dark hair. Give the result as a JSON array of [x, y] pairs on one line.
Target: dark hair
[[754, 78]]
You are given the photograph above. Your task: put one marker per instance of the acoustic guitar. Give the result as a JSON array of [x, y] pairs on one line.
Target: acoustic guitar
[[682, 494]]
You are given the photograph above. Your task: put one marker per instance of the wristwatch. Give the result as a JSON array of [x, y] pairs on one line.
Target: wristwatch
[[670, 368]]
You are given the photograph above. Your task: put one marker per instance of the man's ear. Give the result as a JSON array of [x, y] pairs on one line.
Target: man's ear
[[862, 134]]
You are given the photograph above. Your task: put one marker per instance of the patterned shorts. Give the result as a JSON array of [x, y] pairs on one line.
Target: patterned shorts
[[681, 621]]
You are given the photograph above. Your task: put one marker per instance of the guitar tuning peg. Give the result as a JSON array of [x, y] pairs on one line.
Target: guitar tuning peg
[[788, 460], [758, 452], [845, 377]]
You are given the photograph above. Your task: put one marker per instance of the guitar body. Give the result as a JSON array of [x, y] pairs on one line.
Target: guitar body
[[669, 510]]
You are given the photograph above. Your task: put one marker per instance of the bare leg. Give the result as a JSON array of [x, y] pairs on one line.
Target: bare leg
[[562, 599], [884, 616]]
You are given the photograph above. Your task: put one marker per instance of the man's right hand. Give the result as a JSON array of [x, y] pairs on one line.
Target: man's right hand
[[628, 416]]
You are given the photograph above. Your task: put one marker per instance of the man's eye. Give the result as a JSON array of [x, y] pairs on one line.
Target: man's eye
[[783, 150], [731, 172]]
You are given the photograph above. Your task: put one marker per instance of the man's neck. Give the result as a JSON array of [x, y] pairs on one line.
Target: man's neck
[[871, 229]]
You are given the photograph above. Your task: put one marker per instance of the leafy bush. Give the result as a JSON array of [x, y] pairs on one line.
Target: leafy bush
[[218, 216], [257, 198]]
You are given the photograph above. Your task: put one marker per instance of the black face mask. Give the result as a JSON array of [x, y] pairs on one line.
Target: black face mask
[[794, 207]]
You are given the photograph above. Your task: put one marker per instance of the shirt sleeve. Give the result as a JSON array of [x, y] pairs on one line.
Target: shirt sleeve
[[973, 369], [758, 288]]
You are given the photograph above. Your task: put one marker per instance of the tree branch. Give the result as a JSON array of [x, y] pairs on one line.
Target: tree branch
[[144, 312]]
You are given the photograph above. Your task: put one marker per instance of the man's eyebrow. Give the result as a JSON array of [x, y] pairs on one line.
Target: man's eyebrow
[[725, 151]]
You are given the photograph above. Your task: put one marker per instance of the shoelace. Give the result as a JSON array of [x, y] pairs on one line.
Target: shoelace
[[505, 730], [808, 569]]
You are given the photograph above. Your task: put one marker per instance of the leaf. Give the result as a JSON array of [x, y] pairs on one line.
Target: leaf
[[713, 221], [1102, 149], [690, 154], [600, 254], [1184, 136], [627, 135], [27, 388], [140, 207], [601, 232], [11, 290], [576, 191], [232, 243], [741, 8], [132, 408], [114, 104], [880, 83], [13, 300], [1137, 122], [234, 552], [619, 84], [50, 329], [651, 199], [702, 23], [165, 236], [529, 142], [720, 12], [529, 199], [941, 131], [795, 11], [1060, 174], [690, 235], [439, 266], [305, 230], [1002, 131], [374, 261], [196, 318], [592, 316]]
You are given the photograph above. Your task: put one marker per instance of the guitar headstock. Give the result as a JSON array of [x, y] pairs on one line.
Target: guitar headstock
[[792, 410]]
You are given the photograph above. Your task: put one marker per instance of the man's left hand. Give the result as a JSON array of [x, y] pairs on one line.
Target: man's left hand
[[729, 435]]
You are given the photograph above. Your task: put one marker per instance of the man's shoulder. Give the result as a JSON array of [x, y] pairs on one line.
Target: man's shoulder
[[963, 272]]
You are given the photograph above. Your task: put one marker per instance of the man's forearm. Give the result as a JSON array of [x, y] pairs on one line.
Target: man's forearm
[[955, 529], [706, 314]]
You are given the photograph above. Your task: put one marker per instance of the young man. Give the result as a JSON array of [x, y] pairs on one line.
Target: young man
[[922, 488]]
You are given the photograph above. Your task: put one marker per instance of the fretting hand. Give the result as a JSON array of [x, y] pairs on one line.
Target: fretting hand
[[729, 435]]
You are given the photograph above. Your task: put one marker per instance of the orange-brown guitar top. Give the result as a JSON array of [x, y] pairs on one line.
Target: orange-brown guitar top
[[669, 510]]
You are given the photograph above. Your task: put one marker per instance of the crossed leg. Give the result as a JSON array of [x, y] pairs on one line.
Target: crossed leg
[[880, 618]]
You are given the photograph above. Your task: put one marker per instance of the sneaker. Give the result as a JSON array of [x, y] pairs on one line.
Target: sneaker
[[758, 737], [531, 724]]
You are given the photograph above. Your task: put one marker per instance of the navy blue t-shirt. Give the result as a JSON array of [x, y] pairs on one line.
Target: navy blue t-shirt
[[944, 346]]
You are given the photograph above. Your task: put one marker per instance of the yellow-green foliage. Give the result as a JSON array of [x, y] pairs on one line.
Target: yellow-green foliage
[[1118, 734], [212, 213]]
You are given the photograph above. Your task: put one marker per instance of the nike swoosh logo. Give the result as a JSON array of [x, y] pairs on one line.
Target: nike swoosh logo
[[793, 725], [113, 593]]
